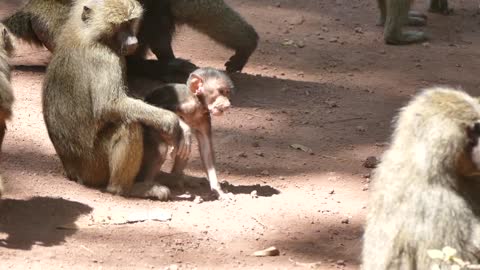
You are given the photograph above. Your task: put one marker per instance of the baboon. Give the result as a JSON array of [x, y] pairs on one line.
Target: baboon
[[206, 93], [40, 21], [425, 190], [6, 93], [95, 127], [394, 14]]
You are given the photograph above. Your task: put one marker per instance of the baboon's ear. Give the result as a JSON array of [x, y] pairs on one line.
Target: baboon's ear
[[7, 40], [86, 14], [196, 84]]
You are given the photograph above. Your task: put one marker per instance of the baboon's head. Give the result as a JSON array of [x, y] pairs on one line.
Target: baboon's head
[[214, 86], [114, 22]]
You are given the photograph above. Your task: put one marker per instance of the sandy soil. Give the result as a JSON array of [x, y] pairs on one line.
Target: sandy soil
[[321, 77]]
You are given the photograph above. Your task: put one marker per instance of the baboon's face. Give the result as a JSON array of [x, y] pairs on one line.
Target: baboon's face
[[473, 146], [127, 37], [217, 94]]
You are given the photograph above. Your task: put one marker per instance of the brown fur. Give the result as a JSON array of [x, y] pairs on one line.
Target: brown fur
[[425, 190], [207, 92], [96, 129]]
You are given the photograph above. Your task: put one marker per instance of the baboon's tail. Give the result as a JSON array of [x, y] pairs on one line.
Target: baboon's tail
[[20, 26]]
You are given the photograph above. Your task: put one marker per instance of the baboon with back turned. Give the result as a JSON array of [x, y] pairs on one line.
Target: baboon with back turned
[[425, 190], [6, 93], [394, 14], [95, 127]]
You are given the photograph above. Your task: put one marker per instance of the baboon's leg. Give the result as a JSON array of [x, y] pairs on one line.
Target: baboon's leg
[[3, 129], [415, 18], [439, 6], [125, 158], [221, 23], [154, 155], [156, 33], [383, 12], [397, 16]]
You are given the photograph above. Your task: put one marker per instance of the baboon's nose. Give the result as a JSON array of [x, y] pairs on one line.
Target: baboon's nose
[[131, 45]]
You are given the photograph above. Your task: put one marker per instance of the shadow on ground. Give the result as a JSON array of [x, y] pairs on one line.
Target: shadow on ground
[[34, 221]]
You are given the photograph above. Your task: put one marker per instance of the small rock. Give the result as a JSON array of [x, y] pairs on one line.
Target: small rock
[[281, 178], [265, 173], [198, 200], [331, 103], [325, 29], [259, 153], [358, 30], [426, 44], [296, 20], [331, 191], [365, 187], [278, 4], [341, 263], [271, 251], [172, 267], [345, 221], [361, 129], [371, 162], [300, 44], [254, 194], [256, 144], [383, 52], [333, 40], [367, 175], [242, 154]]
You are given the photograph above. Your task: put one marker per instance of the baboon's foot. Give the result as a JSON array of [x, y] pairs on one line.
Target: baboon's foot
[[406, 37], [237, 62], [150, 190], [440, 6], [416, 18]]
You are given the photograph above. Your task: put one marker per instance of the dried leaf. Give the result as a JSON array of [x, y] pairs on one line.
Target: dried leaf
[[301, 147]]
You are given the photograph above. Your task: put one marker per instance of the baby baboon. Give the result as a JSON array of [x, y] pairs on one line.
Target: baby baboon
[[394, 14], [425, 190], [207, 92], [6, 93], [94, 126], [39, 22]]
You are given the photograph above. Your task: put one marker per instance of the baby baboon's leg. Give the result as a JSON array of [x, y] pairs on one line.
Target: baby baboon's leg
[[125, 158], [439, 6], [221, 23], [397, 16]]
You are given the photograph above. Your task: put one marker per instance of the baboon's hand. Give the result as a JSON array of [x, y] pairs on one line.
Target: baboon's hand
[[184, 145]]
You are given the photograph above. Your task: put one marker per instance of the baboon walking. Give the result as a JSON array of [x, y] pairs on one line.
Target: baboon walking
[[95, 127], [394, 14], [40, 22], [425, 190]]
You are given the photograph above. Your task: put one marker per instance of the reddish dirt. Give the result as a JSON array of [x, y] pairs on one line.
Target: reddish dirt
[[336, 93]]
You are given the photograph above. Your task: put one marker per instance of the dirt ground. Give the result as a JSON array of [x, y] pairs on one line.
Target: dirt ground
[[321, 77]]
